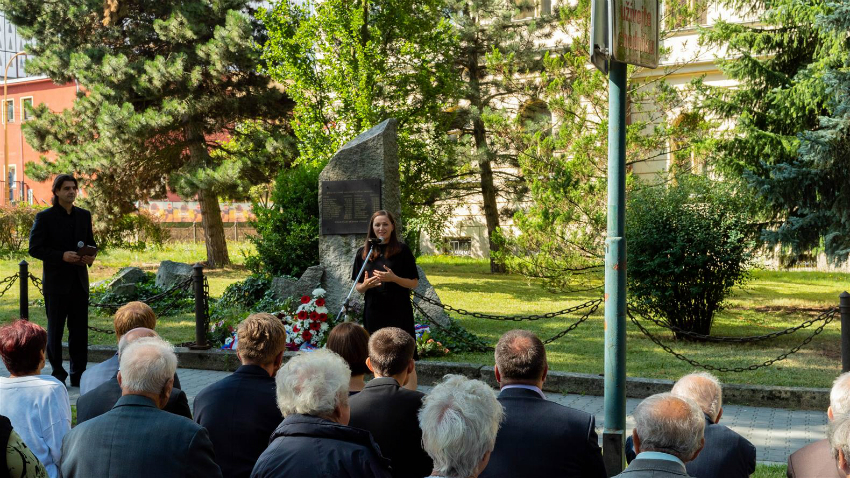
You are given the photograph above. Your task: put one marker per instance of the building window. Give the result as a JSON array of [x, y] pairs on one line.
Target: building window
[[532, 8], [26, 109], [29, 196], [459, 246], [10, 111], [535, 115], [13, 177], [686, 13]]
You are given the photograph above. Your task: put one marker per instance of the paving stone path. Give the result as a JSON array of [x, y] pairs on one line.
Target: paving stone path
[[775, 432]]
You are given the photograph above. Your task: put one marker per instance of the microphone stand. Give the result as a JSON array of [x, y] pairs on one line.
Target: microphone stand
[[357, 280]]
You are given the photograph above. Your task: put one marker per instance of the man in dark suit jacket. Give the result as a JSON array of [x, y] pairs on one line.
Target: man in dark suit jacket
[[387, 409], [816, 459], [668, 433], [100, 400], [240, 411], [538, 437], [136, 438], [54, 239], [726, 453]]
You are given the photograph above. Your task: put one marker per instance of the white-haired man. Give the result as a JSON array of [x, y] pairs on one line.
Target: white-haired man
[[839, 443], [314, 440], [459, 420], [137, 438], [668, 433], [817, 459]]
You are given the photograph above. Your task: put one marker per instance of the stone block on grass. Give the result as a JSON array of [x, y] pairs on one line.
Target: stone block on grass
[[171, 273]]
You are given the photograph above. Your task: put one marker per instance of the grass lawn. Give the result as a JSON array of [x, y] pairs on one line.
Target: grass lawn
[[770, 471], [771, 301]]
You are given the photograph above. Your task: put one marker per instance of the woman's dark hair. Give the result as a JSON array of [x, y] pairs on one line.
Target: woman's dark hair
[[393, 247], [57, 184], [351, 342], [20, 344]]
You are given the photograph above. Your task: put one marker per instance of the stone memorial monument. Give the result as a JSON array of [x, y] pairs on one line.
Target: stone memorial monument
[[361, 178]]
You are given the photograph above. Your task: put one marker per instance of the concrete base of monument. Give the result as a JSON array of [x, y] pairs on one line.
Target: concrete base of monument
[[793, 398]]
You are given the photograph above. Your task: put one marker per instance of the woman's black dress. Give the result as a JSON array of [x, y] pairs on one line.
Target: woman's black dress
[[388, 305]]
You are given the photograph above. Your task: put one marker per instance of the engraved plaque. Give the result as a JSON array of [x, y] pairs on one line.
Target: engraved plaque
[[348, 205]]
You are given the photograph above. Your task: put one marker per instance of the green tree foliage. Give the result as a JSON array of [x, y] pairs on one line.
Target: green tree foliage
[[350, 65], [786, 68], [563, 155], [287, 239], [688, 245], [163, 85]]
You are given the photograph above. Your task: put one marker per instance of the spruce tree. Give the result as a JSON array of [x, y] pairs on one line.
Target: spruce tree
[[163, 86]]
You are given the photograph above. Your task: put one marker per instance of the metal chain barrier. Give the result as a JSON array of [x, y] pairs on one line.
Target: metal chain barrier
[[721, 339], [515, 318], [572, 327], [37, 283], [9, 281], [206, 305], [186, 284], [829, 317], [474, 346]]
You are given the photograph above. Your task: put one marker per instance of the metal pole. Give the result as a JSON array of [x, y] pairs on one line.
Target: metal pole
[[844, 310], [200, 310], [24, 277], [613, 438], [6, 186]]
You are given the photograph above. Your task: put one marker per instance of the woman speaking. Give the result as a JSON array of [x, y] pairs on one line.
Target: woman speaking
[[387, 280]]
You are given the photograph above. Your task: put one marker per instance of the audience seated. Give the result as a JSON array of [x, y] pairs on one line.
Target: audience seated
[[351, 342], [459, 422], [17, 461], [314, 440], [136, 438], [103, 397], [817, 459], [668, 433], [130, 316], [387, 409], [839, 442], [240, 411], [539, 437], [40, 411]]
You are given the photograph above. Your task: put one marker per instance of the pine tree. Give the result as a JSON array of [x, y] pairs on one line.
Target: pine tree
[[163, 85], [781, 67]]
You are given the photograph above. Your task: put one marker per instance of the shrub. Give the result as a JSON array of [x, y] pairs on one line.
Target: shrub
[[15, 224], [178, 301], [287, 239], [689, 244], [134, 231], [245, 293]]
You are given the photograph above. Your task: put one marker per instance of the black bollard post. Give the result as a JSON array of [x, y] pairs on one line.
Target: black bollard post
[[24, 278], [200, 310], [844, 310]]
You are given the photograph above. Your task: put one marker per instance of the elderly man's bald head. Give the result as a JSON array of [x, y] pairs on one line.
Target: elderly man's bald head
[[704, 389], [134, 335], [520, 356], [669, 424]]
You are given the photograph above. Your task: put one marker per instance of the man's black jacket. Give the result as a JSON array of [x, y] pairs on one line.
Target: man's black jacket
[[50, 238]]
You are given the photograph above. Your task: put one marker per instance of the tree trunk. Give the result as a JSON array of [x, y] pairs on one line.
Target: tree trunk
[[214, 238], [213, 230]]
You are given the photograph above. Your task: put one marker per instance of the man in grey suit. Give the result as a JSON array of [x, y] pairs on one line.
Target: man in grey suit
[[817, 459], [668, 433], [136, 438]]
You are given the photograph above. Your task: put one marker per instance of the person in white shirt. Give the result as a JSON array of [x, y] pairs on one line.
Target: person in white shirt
[[37, 405]]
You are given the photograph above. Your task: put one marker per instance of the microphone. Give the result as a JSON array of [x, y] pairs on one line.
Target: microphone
[[375, 241], [80, 244]]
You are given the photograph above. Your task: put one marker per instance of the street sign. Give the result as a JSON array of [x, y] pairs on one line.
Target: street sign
[[600, 38], [634, 25]]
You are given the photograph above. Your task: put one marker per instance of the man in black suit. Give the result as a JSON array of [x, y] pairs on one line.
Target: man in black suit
[[103, 398], [668, 433], [54, 238], [387, 409], [538, 437], [240, 411]]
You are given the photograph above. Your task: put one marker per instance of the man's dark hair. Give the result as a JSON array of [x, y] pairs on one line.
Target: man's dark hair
[[59, 181], [390, 350], [520, 355]]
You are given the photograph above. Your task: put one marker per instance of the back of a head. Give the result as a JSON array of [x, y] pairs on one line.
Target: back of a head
[[21, 344], [839, 436], [133, 315], [459, 420], [390, 351], [703, 388], [839, 396], [262, 337], [146, 365], [520, 356], [134, 335], [669, 424], [312, 383], [351, 342]]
